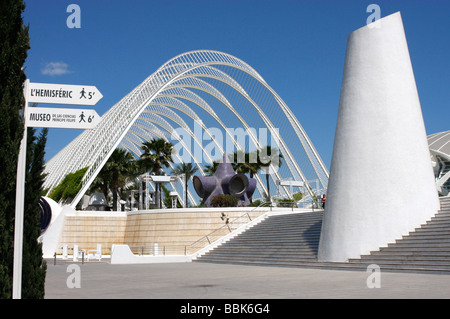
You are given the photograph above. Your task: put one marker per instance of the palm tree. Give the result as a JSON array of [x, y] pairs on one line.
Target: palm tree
[[271, 156], [120, 165], [101, 183], [188, 170], [251, 165], [211, 169], [157, 154]]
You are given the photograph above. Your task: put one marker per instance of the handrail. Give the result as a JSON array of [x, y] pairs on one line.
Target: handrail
[[263, 205], [162, 249], [218, 229]]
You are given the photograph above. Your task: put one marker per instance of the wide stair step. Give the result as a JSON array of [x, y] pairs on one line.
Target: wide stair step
[[281, 240], [427, 248], [292, 240]]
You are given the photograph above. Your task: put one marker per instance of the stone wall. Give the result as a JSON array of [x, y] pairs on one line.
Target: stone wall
[[171, 230]]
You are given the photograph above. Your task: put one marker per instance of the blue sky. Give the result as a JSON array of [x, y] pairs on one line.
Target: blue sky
[[297, 46]]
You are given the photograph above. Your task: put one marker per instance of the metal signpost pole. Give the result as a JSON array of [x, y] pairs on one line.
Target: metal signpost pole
[[20, 200]]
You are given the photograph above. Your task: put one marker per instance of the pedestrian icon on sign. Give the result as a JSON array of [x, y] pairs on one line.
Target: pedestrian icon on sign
[[82, 118], [83, 93]]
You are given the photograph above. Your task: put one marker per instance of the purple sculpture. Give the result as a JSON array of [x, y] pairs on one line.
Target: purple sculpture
[[225, 181]]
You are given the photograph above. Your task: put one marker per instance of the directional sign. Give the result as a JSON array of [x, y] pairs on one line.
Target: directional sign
[[63, 94], [292, 183], [62, 118]]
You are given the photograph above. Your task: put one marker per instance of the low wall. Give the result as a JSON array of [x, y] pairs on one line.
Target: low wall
[[175, 230], [171, 229], [87, 229]]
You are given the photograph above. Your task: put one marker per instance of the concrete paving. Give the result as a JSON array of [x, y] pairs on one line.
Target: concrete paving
[[218, 281]]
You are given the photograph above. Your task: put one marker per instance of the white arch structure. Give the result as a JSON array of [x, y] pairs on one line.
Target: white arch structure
[[439, 144], [209, 91]]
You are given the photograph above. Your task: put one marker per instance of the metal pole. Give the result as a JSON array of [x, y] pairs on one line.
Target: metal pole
[[20, 199], [140, 193], [184, 190]]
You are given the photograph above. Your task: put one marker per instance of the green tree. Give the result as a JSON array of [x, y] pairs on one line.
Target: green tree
[[188, 170], [269, 156], [157, 154], [69, 187], [120, 169], [167, 199], [14, 41], [101, 183], [120, 165], [211, 169]]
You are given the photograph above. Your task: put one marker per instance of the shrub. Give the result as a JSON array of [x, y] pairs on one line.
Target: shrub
[[255, 203], [286, 202], [224, 200], [297, 196], [69, 186]]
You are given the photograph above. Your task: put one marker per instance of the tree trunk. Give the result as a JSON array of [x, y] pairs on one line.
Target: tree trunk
[[115, 189], [185, 191], [160, 197], [105, 191]]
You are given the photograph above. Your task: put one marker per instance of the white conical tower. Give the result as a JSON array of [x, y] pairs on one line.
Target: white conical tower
[[381, 182]]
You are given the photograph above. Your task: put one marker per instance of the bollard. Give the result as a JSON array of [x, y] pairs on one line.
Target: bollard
[[99, 251], [54, 261], [64, 251], [75, 252]]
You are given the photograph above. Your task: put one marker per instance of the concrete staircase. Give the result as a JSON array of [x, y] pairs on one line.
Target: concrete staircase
[[292, 240], [427, 248], [280, 240]]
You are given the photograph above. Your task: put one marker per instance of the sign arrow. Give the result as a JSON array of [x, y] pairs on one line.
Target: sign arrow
[[62, 118], [63, 94]]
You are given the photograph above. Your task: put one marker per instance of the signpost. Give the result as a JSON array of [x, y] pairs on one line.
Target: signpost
[[63, 94], [290, 184], [62, 118], [52, 118]]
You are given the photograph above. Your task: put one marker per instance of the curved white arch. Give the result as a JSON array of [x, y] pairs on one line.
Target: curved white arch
[[197, 100], [160, 93]]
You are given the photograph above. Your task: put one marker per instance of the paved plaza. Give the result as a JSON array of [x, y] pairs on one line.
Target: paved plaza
[[218, 281]]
